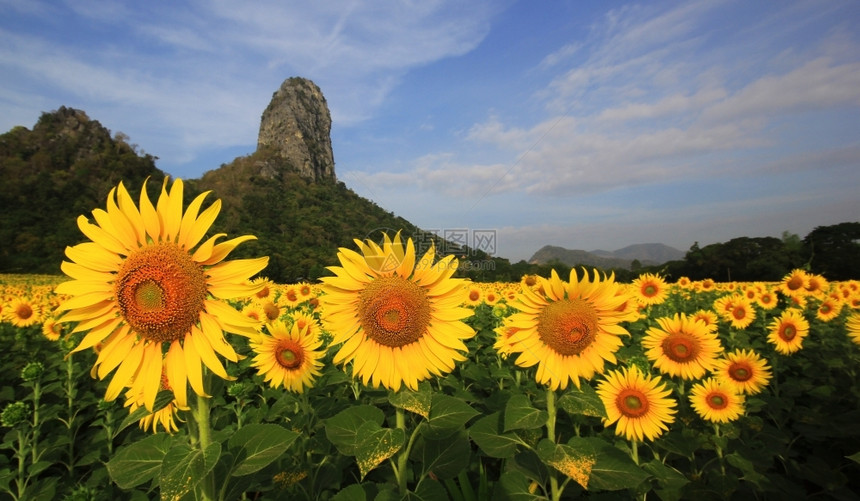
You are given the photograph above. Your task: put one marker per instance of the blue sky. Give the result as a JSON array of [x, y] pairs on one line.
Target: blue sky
[[584, 124]]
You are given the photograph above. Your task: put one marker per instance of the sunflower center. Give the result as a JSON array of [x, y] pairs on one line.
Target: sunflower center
[[632, 403], [568, 326], [474, 295], [24, 311], [649, 290], [394, 311], [289, 354], [160, 292], [739, 312], [717, 401], [740, 372], [787, 332], [680, 348]]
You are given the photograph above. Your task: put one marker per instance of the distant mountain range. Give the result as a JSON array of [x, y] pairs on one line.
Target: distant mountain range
[[646, 254]]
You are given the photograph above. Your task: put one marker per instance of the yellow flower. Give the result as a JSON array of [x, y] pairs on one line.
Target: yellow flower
[[743, 370], [742, 313], [795, 283], [568, 329], [400, 320], [828, 309], [716, 401], [682, 346], [787, 331], [639, 403], [287, 357], [166, 416], [852, 324], [474, 295], [140, 287], [650, 289], [21, 312]]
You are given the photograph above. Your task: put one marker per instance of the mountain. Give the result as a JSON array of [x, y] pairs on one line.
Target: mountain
[[646, 254], [285, 193]]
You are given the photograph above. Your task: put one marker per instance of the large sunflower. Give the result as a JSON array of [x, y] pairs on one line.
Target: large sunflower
[[22, 312], [743, 370], [139, 288], [716, 401], [639, 403], [682, 346], [787, 331], [400, 320], [568, 329], [288, 357]]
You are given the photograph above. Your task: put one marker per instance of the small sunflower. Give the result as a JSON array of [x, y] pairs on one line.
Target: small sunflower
[[794, 283], [787, 331], [828, 309], [638, 403], [744, 370], [741, 313], [716, 401], [767, 299], [569, 330], [52, 329], [682, 346], [22, 312], [398, 318], [166, 416], [650, 289], [287, 357], [474, 295], [139, 288], [852, 324]]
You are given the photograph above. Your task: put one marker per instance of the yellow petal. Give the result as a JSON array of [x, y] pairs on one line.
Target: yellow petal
[[149, 215], [192, 366], [220, 251], [100, 236], [126, 371], [126, 205], [206, 353], [174, 364]]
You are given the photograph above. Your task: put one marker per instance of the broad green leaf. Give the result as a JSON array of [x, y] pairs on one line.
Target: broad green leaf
[[428, 490], [746, 466], [447, 415], [669, 480], [376, 445], [355, 492], [139, 461], [487, 433], [575, 460], [255, 446], [183, 468], [342, 428], [163, 398], [515, 486], [443, 458], [613, 470], [417, 402], [584, 401], [519, 414]]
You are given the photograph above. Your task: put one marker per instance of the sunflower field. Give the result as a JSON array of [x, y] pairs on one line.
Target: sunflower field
[[157, 368]]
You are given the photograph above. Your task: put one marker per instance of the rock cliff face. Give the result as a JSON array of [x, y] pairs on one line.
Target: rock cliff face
[[296, 126]]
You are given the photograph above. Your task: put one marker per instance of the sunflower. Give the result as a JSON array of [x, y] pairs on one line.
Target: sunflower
[[684, 283], [22, 312], [306, 321], [139, 288], [716, 401], [474, 295], [639, 403], [52, 329], [787, 331], [767, 299], [744, 370], [306, 291], [707, 316], [570, 329], [166, 416], [852, 325], [828, 309], [816, 285], [742, 312], [650, 289], [287, 357], [399, 319], [682, 346], [794, 283], [289, 297], [270, 309]]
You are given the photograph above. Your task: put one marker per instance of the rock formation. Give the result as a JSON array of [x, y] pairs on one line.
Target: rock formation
[[296, 127]]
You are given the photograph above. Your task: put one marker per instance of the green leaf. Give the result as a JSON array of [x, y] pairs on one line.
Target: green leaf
[[376, 445], [669, 480], [584, 401], [515, 486], [255, 446], [443, 458], [355, 492], [613, 470], [342, 428], [163, 398], [183, 468], [487, 433], [519, 414], [447, 415], [139, 461], [417, 402], [428, 490], [854, 457], [746, 466], [575, 459]]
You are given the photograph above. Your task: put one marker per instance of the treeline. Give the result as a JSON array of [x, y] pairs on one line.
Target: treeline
[[831, 251]]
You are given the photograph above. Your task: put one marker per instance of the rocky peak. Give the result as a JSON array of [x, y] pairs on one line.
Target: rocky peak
[[296, 127]]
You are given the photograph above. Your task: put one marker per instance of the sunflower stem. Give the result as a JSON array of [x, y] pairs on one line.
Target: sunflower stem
[[719, 449], [555, 490], [634, 447], [403, 457], [204, 438]]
